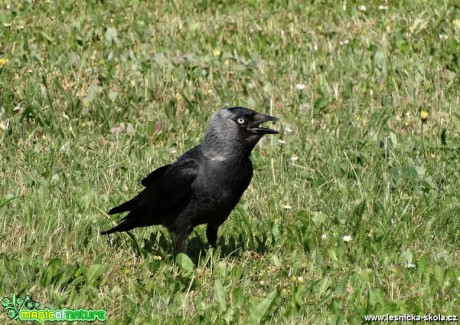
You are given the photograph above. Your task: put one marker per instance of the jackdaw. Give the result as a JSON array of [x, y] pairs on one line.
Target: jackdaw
[[203, 185]]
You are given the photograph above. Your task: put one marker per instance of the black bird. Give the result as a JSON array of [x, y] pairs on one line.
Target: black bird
[[203, 185]]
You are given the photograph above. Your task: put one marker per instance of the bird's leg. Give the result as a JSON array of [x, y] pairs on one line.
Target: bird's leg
[[181, 240], [211, 234]]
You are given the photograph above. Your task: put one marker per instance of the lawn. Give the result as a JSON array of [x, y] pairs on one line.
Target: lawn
[[354, 209]]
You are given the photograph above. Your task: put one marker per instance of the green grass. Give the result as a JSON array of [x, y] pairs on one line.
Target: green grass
[[96, 94]]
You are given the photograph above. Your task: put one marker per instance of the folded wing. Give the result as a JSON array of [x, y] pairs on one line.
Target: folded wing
[[167, 191]]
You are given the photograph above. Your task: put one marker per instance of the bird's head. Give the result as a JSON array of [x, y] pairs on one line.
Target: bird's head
[[238, 126]]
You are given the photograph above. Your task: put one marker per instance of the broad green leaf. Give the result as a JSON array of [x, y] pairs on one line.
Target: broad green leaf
[[276, 231], [185, 263], [259, 311], [456, 119], [238, 297], [394, 139], [318, 218], [93, 91], [94, 271], [321, 103], [341, 287], [220, 295], [438, 273], [52, 270], [111, 34], [376, 297], [409, 172]]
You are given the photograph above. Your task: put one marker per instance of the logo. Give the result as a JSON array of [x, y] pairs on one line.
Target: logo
[[26, 310]]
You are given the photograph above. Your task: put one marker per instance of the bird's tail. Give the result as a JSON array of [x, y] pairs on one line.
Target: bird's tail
[[125, 225], [127, 206]]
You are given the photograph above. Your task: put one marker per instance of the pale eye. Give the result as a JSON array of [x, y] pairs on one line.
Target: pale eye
[[240, 120]]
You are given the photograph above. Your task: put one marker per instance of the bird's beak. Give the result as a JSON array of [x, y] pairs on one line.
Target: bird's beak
[[258, 119]]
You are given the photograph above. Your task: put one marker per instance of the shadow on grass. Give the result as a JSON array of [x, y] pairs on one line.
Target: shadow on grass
[[160, 243], [229, 247]]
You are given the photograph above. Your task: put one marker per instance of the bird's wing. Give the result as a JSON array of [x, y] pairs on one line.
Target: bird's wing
[[153, 176], [168, 191]]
